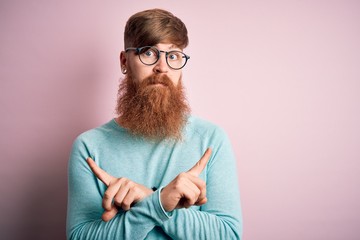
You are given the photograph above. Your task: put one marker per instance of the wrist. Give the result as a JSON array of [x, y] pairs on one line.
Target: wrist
[[163, 202]]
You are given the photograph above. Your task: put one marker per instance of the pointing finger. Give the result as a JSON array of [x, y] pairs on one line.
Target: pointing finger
[[99, 173], [200, 165]]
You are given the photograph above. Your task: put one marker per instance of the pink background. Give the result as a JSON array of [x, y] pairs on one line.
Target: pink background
[[282, 77]]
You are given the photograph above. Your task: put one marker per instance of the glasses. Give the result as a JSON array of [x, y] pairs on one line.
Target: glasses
[[149, 55]]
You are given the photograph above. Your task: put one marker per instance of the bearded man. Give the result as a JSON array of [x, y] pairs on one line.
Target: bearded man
[[155, 171]]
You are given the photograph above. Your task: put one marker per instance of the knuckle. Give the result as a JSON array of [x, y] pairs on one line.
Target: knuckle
[[181, 178], [128, 183], [136, 190], [177, 185], [122, 180], [107, 195], [117, 201], [126, 202], [192, 200], [203, 193], [197, 192], [202, 183], [118, 180], [182, 175], [125, 205]]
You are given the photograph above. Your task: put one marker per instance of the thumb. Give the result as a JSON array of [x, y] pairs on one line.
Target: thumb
[[109, 214], [200, 165]]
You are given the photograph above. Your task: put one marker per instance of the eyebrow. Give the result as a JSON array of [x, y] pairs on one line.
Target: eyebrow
[[171, 47]]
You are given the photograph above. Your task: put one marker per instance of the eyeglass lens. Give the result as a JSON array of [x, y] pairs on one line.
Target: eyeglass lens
[[150, 55]]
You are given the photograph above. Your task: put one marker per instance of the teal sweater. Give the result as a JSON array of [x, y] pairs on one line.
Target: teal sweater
[[153, 165]]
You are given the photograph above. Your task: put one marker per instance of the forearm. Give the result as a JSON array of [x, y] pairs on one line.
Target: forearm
[[85, 196], [133, 224], [220, 217], [194, 224]]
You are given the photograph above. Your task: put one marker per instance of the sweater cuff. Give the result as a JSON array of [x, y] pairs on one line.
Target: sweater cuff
[[161, 208]]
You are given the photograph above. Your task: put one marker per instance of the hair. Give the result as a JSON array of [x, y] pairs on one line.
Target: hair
[[153, 26]]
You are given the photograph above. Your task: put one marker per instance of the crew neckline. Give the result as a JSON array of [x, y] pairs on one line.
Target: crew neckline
[[117, 125]]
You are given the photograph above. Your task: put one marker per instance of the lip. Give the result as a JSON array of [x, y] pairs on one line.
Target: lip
[[158, 85]]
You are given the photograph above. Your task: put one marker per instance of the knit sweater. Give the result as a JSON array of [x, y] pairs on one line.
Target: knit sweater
[[154, 165]]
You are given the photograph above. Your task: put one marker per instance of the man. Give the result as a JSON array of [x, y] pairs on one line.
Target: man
[[154, 172]]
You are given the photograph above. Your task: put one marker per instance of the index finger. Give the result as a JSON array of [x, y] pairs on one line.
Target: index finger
[[200, 165], [99, 173]]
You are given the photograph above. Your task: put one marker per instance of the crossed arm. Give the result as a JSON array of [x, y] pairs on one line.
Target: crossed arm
[[186, 190], [219, 218]]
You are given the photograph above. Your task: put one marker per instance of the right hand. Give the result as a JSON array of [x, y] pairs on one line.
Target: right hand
[[122, 191], [187, 189]]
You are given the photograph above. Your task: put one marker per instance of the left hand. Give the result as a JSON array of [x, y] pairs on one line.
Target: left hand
[[122, 191], [187, 189]]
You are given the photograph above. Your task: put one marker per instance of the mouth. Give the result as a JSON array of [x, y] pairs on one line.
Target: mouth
[[158, 81], [158, 84]]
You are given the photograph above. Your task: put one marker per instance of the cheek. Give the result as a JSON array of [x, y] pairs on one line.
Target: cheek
[[176, 78], [140, 72]]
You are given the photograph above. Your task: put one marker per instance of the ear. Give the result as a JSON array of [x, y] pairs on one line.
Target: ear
[[123, 60]]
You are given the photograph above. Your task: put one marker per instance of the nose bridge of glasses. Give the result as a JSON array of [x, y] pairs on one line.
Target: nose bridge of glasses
[[162, 51], [165, 55]]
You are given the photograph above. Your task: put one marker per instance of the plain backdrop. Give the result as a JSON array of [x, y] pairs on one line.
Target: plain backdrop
[[281, 77]]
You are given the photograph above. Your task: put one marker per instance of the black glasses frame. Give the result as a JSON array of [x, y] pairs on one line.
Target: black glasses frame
[[138, 50]]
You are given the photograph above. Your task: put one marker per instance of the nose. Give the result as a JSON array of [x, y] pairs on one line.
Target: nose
[[161, 65]]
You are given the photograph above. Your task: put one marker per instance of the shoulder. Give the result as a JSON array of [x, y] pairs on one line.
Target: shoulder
[[204, 128], [207, 134], [97, 134]]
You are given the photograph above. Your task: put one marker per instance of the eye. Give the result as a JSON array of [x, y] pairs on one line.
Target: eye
[[148, 53], [174, 56]]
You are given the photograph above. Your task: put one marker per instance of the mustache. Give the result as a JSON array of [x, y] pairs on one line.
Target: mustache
[[157, 79]]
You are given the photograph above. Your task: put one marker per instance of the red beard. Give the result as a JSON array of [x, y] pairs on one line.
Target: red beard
[[152, 111]]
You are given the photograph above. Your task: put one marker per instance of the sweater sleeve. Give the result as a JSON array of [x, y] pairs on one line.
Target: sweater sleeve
[[220, 217], [85, 208]]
